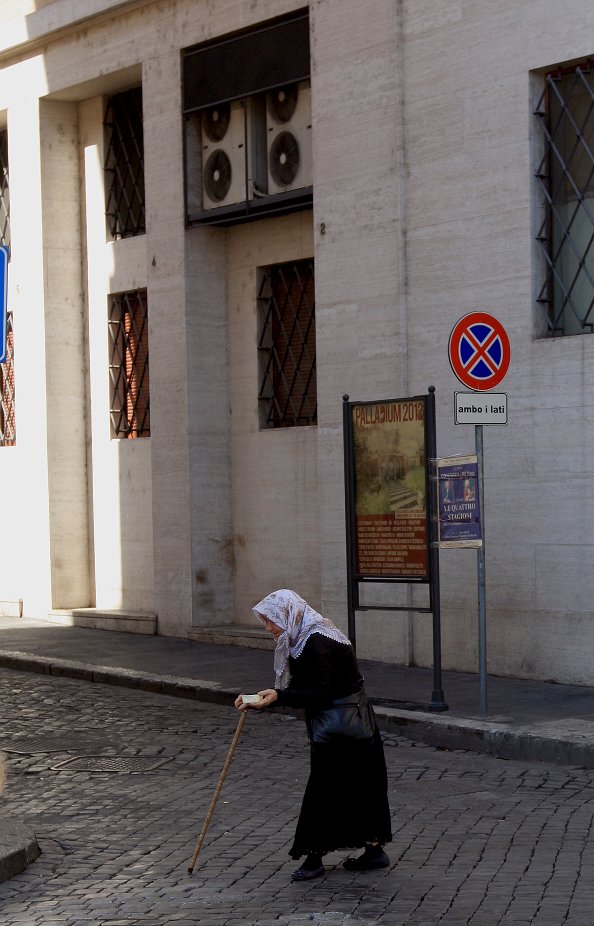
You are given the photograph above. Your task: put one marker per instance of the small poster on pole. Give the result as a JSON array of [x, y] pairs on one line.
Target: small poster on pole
[[458, 502]]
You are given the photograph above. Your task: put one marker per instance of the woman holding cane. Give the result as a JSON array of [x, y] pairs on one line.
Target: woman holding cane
[[345, 804]]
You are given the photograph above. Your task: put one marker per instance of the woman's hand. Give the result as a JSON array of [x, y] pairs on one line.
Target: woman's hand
[[267, 697]]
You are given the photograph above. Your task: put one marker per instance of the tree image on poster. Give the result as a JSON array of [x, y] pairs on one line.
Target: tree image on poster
[[390, 489]]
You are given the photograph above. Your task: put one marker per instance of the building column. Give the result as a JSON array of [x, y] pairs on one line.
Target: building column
[[64, 354], [188, 368]]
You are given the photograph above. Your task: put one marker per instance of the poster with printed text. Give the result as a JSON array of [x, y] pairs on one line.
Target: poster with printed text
[[458, 502], [391, 531]]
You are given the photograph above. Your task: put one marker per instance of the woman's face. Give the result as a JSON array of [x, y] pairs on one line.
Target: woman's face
[[274, 629]]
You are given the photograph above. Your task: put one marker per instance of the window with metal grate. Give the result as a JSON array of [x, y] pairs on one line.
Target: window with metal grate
[[124, 165], [129, 364], [565, 174], [287, 345], [7, 391], [4, 194]]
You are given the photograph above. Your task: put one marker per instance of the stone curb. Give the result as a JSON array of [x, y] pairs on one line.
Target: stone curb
[[434, 729], [18, 848], [174, 686], [496, 739]]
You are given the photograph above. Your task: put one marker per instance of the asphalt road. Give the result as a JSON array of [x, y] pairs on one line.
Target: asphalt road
[[116, 784]]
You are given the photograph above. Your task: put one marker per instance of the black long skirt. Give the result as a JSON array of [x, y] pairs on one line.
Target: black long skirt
[[345, 804]]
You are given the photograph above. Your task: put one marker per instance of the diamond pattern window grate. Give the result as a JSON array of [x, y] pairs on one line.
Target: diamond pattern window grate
[[4, 192], [129, 364], [287, 345], [124, 165], [7, 391], [565, 175]]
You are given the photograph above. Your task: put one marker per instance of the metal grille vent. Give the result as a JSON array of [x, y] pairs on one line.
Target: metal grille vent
[[124, 165], [129, 364], [565, 115], [7, 391], [239, 66], [4, 192], [287, 345]]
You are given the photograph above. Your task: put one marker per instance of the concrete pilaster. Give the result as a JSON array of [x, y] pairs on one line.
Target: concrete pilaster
[[65, 354], [359, 249]]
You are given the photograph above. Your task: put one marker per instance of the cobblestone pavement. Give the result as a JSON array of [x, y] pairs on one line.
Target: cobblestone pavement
[[116, 784]]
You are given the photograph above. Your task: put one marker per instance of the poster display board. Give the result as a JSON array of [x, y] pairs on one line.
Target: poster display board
[[391, 516], [459, 502], [389, 455]]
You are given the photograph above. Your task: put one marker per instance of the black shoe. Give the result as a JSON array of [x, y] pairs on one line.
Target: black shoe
[[367, 861], [311, 868], [306, 874]]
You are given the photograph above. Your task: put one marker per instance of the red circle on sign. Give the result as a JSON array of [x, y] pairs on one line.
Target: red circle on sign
[[479, 351]]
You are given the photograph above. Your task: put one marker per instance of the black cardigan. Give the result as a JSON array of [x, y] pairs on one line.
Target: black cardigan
[[325, 669]]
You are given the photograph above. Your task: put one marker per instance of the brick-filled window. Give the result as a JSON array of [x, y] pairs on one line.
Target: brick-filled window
[[287, 345], [565, 118], [124, 165], [129, 364], [7, 391]]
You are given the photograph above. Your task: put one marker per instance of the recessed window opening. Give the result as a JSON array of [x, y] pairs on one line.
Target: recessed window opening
[[565, 117], [7, 391], [247, 111], [124, 165], [4, 192], [287, 345], [129, 364]]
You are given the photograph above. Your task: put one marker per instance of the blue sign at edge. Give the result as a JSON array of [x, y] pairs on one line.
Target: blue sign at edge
[[4, 297]]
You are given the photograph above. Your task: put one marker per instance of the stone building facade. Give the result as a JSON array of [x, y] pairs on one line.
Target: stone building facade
[[429, 188]]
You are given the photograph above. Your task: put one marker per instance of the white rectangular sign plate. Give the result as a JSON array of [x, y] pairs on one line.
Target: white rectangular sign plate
[[480, 408]]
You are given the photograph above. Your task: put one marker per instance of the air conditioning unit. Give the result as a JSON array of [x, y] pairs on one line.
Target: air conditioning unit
[[223, 155], [288, 123], [233, 153]]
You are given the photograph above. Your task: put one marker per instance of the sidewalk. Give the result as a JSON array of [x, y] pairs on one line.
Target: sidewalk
[[528, 720]]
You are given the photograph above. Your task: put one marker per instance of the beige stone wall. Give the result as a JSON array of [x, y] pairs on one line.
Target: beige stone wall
[[360, 253], [276, 494], [158, 511], [423, 153], [468, 124]]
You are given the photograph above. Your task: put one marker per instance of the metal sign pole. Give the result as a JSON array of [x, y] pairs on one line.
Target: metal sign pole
[[479, 351], [482, 595], [437, 697], [352, 589]]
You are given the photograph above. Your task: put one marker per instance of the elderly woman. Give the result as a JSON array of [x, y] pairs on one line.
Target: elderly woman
[[345, 804]]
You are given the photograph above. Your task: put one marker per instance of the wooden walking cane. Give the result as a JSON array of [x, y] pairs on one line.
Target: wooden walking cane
[[217, 791]]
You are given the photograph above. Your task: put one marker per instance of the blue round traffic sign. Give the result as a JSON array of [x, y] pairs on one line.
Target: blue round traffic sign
[[479, 351]]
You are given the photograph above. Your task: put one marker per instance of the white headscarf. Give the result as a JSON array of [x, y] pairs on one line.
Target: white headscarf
[[298, 621]]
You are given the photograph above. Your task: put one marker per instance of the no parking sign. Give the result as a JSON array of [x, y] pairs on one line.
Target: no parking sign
[[479, 351]]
